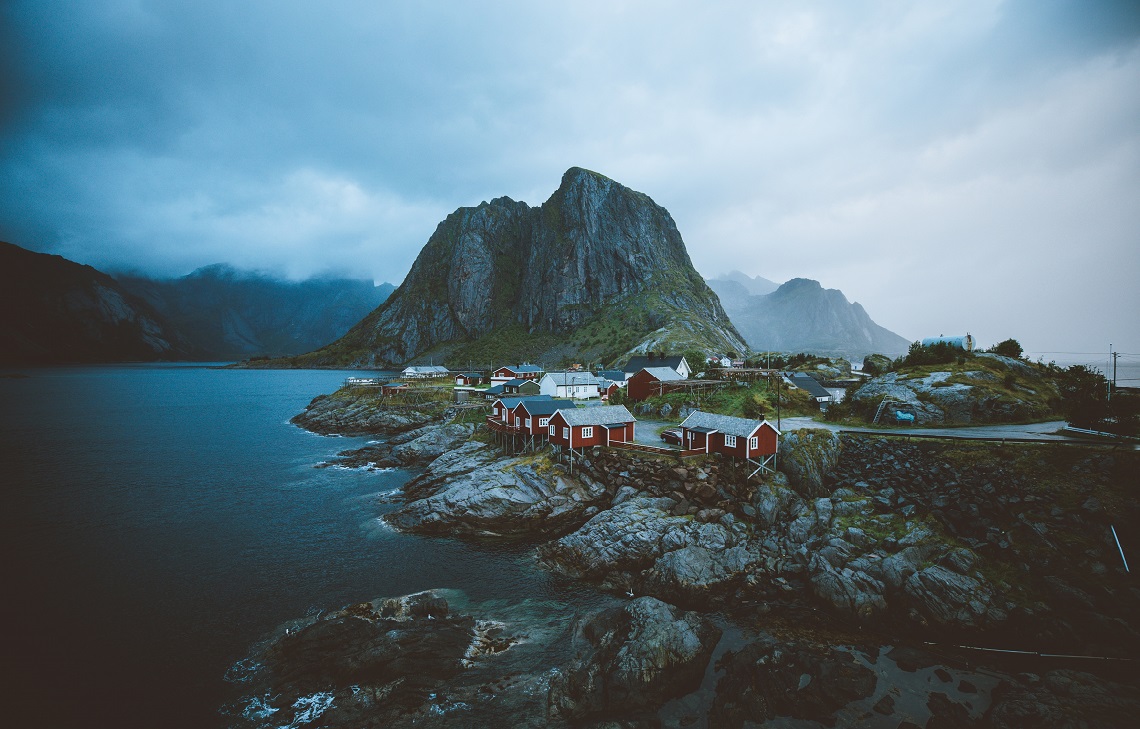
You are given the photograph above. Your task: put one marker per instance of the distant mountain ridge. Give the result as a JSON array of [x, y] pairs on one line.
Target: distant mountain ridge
[[226, 313], [754, 285], [56, 311], [802, 316], [597, 271]]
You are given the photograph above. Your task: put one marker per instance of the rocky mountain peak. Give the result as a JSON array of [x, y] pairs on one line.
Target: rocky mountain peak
[[593, 244]]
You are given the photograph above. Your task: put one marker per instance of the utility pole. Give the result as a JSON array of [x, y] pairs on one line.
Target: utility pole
[[1110, 383], [1115, 356], [779, 376]]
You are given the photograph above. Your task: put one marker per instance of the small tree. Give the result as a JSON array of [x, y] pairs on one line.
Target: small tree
[[1009, 348]]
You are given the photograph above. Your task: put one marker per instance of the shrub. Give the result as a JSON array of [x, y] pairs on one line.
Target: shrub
[[1009, 348], [936, 354]]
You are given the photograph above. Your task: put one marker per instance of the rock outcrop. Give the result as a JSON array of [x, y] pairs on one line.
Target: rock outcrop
[[595, 247], [986, 388], [770, 678], [469, 493], [359, 412], [634, 658], [808, 456]]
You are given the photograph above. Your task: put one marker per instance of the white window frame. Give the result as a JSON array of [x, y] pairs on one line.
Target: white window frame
[[528, 423], [566, 433], [587, 431], [543, 422], [729, 441], [753, 443], [551, 429]]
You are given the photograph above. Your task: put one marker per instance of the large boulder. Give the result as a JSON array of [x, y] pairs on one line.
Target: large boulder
[[640, 545], [947, 598], [634, 659], [808, 457], [876, 364], [519, 497]]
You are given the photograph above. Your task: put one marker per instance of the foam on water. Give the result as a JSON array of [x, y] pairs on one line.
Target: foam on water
[[309, 708], [258, 708]]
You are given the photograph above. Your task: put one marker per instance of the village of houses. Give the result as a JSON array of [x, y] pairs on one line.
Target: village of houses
[[571, 411]]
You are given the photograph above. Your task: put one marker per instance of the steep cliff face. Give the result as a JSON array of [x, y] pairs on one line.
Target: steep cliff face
[[801, 315], [596, 271], [55, 311]]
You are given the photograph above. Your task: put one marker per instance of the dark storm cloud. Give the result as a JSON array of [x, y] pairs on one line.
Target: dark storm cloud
[[863, 144]]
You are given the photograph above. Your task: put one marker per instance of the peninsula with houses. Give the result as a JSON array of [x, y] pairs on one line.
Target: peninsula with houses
[[771, 548]]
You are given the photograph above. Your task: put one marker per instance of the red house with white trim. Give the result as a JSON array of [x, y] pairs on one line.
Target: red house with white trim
[[735, 437], [503, 409], [593, 426], [651, 381], [533, 414], [515, 372]]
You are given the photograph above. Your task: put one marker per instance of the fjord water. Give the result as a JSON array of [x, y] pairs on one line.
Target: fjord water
[[158, 520]]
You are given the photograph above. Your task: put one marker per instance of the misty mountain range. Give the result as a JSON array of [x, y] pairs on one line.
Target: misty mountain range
[[801, 315], [56, 311], [223, 313], [597, 272]]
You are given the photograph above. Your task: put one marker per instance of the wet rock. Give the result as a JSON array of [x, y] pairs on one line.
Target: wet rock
[[947, 714], [419, 644], [850, 591], [1064, 698], [635, 658], [948, 598], [768, 679]]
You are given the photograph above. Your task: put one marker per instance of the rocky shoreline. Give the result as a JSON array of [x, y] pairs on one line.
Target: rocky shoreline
[[876, 542]]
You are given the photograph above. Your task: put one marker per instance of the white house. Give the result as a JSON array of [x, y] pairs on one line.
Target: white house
[[573, 385], [423, 372]]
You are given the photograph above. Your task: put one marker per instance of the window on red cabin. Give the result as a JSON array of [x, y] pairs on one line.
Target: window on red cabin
[[753, 443], [730, 441], [587, 432], [552, 430]]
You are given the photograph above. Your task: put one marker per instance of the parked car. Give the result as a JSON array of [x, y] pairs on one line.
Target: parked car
[[671, 435]]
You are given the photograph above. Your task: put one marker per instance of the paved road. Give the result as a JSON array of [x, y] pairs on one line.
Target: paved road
[[649, 432], [1043, 432]]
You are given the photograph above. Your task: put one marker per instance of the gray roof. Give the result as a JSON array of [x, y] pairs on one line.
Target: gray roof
[[543, 405], [664, 374], [636, 364], [572, 378], [603, 415], [520, 369], [510, 402], [427, 369], [740, 427], [813, 388]]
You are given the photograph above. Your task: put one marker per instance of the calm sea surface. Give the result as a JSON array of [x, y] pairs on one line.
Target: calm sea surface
[[158, 520]]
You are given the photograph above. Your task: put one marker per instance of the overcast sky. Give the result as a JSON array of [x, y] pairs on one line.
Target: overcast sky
[[953, 166]]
